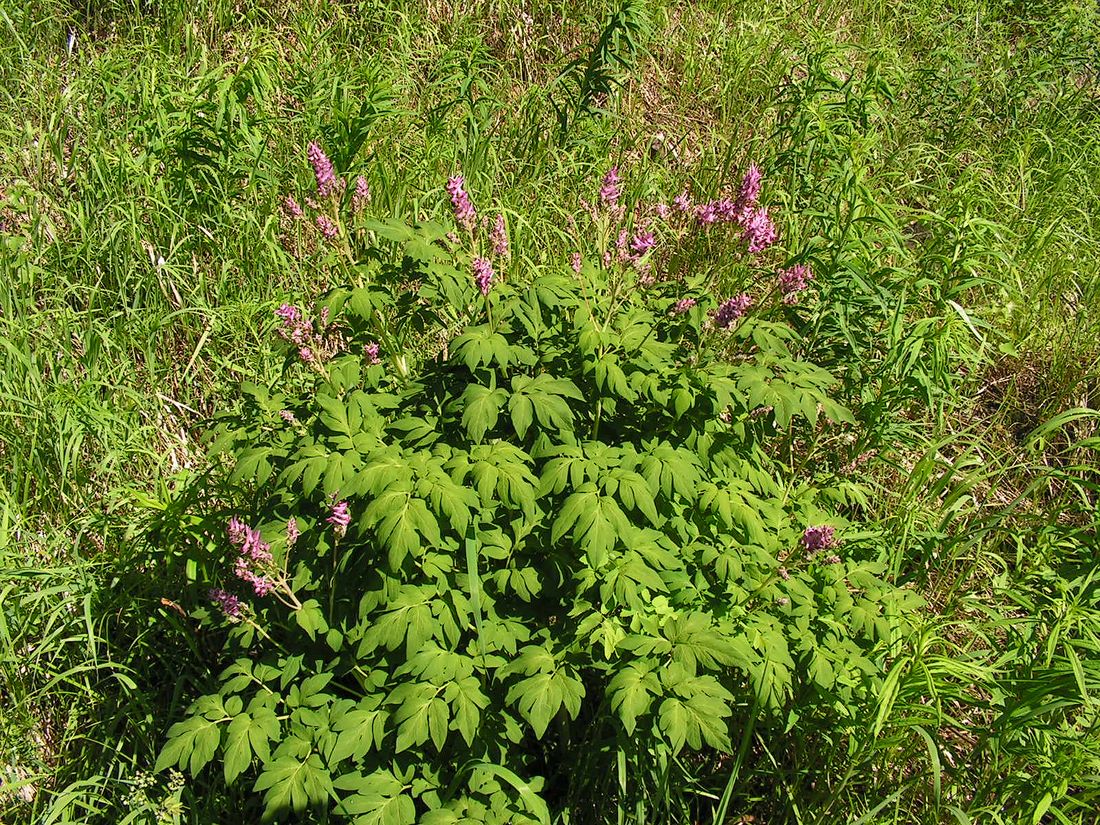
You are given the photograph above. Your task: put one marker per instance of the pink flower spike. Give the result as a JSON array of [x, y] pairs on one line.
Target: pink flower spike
[[682, 202], [499, 238], [610, 187], [793, 281], [483, 275], [291, 207], [464, 210], [822, 537], [361, 196], [340, 517], [229, 604], [238, 532], [575, 262], [322, 170], [371, 351], [327, 227], [642, 242], [731, 310], [683, 305], [292, 531], [760, 232]]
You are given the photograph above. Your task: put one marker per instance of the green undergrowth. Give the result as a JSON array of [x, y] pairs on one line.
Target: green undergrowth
[[934, 163]]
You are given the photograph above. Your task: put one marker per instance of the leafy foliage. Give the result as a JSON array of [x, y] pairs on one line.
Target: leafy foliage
[[565, 533]]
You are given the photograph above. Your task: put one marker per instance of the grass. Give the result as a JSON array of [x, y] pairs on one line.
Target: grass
[[943, 158]]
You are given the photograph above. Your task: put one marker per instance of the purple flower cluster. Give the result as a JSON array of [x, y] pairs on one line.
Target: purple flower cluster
[[295, 327], [361, 196], [575, 262], [464, 210], [822, 537], [372, 351], [340, 518], [255, 555], [731, 309], [483, 274], [322, 170], [327, 227], [291, 207], [683, 305], [499, 237], [229, 604], [759, 231], [292, 531], [642, 242], [793, 281], [610, 187]]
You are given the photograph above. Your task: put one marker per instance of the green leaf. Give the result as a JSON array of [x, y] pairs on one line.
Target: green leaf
[[632, 690], [293, 784], [238, 753], [481, 410]]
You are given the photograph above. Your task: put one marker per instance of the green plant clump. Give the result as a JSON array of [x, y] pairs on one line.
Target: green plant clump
[[532, 566]]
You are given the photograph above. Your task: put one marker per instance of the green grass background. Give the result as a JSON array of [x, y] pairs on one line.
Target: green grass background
[[943, 159]]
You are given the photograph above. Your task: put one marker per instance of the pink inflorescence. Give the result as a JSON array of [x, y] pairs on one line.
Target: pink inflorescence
[[822, 537], [361, 196], [749, 193], [254, 553], [483, 274], [793, 281], [288, 416], [683, 305], [340, 517], [610, 187], [499, 237], [760, 232], [327, 227], [464, 210], [642, 242], [295, 328], [229, 604], [292, 531], [575, 262], [322, 170], [682, 202], [371, 351], [291, 207], [732, 309]]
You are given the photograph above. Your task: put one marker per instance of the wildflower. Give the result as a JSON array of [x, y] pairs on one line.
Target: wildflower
[[289, 314], [760, 232], [707, 213], [340, 517], [230, 605], [683, 305], [782, 601], [793, 281], [642, 242], [464, 210], [682, 202], [784, 574], [663, 211], [324, 317], [611, 188], [371, 352], [361, 196], [292, 531], [255, 547], [499, 238], [822, 537], [726, 210], [291, 207], [749, 193], [620, 242], [327, 227], [322, 170], [306, 354], [483, 274], [238, 532], [575, 262], [832, 559], [288, 416], [731, 309]]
